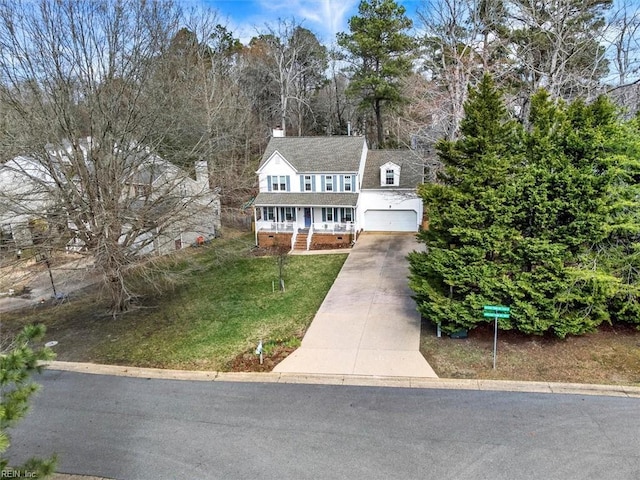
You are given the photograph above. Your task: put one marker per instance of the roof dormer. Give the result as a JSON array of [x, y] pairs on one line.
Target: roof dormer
[[389, 175]]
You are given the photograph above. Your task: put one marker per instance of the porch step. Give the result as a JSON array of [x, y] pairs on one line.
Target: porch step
[[301, 242]]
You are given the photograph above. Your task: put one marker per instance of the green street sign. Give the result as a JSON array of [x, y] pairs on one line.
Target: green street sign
[[496, 315], [496, 308], [495, 312]]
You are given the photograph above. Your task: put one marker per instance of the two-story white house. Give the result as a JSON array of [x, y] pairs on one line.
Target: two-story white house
[[320, 192]]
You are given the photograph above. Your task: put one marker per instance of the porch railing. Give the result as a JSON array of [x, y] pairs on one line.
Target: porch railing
[[333, 227], [277, 227], [309, 235]]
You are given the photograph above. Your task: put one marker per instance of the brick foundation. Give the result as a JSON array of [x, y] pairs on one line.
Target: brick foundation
[[272, 239], [326, 241]]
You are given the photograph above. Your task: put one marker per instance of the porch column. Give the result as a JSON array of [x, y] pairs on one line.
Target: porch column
[[255, 223]]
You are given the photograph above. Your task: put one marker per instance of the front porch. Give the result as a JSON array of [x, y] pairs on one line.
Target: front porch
[[319, 236], [305, 221]]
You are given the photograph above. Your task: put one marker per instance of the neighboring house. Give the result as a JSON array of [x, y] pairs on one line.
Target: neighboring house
[[158, 181], [25, 192], [28, 193], [320, 192]]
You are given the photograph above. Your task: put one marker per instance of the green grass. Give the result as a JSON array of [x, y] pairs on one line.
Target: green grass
[[221, 307]]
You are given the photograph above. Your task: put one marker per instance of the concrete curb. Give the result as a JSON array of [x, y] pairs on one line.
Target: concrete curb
[[65, 476], [352, 380]]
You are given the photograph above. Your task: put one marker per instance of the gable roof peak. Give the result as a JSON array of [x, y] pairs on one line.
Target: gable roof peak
[[318, 154]]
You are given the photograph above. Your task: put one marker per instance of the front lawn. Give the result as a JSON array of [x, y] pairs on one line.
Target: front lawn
[[221, 307]]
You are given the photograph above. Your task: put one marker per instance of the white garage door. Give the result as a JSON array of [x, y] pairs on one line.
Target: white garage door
[[391, 221]]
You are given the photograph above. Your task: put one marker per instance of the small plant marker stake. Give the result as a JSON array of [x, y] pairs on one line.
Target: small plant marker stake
[[259, 351], [495, 312]]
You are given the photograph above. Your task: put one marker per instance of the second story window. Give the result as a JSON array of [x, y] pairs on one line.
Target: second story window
[[390, 177], [347, 183], [307, 183], [279, 183], [328, 183]]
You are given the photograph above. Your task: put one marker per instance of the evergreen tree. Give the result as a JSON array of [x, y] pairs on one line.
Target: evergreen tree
[[540, 220], [620, 253], [379, 49], [471, 215], [562, 196], [17, 363]]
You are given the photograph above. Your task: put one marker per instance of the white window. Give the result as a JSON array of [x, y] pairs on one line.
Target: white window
[[307, 183], [328, 183], [269, 213], [347, 214], [327, 215], [347, 183], [289, 214], [279, 183], [390, 176]]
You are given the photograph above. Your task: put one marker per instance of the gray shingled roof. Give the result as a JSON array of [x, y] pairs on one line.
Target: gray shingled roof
[[411, 168], [307, 199], [318, 154]]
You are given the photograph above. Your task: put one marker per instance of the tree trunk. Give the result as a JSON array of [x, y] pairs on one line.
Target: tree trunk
[[379, 130]]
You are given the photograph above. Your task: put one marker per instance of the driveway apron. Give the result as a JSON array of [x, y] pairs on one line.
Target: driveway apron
[[368, 323]]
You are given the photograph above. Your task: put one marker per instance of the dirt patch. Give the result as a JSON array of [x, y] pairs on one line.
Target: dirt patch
[[250, 362], [610, 355]]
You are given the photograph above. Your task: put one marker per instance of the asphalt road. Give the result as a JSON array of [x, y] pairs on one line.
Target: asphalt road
[[127, 428]]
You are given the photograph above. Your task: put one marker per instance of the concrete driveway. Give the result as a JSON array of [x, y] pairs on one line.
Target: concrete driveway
[[368, 323]]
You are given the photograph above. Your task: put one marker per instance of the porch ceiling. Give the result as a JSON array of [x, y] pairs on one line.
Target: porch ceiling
[[294, 199]]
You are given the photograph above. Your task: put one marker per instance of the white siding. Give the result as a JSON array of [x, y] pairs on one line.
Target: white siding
[[278, 166], [389, 201]]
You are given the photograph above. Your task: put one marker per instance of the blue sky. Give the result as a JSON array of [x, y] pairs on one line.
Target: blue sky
[[324, 17]]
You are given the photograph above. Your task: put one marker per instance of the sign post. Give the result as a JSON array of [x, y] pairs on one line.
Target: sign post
[[495, 312]]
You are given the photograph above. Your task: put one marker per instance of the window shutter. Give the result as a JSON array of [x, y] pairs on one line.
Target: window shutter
[[353, 183], [342, 183], [335, 183], [313, 183], [288, 183], [302, 183], [322, 183], [324, 214], [269, 183]]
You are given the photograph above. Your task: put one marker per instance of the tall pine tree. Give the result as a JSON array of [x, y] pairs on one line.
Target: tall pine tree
[[379, 49]]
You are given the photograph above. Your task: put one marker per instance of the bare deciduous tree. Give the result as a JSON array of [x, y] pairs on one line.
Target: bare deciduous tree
[[559, 46], [450, 60], [294, 60], [82, 80]]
